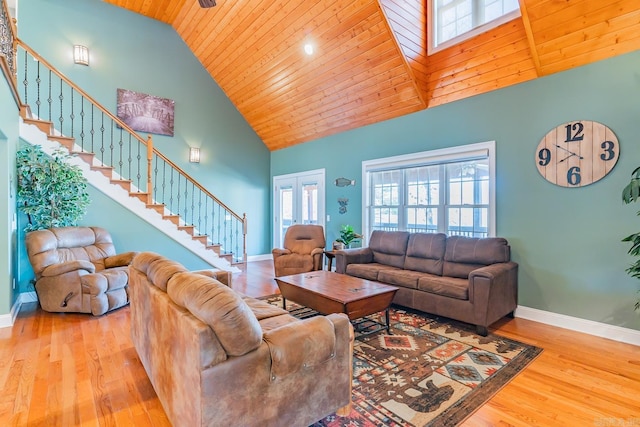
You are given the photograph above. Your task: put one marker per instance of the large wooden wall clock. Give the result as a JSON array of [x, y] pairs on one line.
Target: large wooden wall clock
[[576, 154]]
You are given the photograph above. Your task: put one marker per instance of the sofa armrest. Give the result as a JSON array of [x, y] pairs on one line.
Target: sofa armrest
[[317, 251], [302, 345], [279, 252], [66, 267], [493, 289], [345, 257], [494, 272], [119, 260], [221, 276]]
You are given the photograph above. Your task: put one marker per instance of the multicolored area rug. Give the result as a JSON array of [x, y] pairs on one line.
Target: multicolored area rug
[[431, 372]]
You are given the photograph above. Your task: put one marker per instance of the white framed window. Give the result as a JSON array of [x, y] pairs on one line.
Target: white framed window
[[450, 191], [453, 21]]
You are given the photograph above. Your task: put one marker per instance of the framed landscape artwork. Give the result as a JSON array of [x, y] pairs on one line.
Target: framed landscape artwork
[[146, 113]]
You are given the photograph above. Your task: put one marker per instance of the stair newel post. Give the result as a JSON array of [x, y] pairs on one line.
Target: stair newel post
[[149, 160]]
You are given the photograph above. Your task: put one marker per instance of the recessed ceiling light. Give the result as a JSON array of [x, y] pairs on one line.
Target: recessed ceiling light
[[308, 48]]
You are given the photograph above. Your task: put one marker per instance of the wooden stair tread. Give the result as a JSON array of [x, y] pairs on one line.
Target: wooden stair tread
[[158, 207]]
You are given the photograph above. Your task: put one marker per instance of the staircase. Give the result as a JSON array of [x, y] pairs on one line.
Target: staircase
[[125, 166]]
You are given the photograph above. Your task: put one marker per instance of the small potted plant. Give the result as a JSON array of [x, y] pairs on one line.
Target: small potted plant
[[347, 235]]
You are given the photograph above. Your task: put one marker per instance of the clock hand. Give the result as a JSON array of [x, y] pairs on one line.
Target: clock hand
[[570, 155], [570, 152]]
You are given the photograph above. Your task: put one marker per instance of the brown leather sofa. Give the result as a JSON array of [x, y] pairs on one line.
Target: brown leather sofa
[[77, 270], [468, 279], [303, 250], [217, 358]]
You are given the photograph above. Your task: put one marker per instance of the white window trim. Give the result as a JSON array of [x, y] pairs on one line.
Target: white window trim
[[457, 153], [431, 49]]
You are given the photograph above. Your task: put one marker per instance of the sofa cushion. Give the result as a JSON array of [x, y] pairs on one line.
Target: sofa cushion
[[403, 278], [445, 286], [271, 323], [367, 271], [262, 309], [300, 345], [389, 247], [215, 304], [425, 252], [161, 271], [157, 268], [465, 254]]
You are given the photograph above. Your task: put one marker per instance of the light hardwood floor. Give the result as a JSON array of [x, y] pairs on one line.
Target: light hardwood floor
[[76, 369]]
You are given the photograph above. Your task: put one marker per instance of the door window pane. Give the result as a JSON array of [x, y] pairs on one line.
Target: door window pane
[[310, 203]]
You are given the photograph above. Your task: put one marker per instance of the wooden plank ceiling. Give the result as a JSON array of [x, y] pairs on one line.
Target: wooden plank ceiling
[[371, 61]]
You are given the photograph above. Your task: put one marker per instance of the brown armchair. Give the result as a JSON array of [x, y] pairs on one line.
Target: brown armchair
[[77, 270], [303, 249]]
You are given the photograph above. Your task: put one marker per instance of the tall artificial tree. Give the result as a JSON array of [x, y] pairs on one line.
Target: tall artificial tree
[[51, 191]]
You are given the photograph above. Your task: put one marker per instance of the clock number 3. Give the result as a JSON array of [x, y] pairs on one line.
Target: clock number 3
[[608, 154], [574, 132]]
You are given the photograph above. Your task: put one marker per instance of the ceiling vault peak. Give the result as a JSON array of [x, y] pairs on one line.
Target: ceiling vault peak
[[370, 61]]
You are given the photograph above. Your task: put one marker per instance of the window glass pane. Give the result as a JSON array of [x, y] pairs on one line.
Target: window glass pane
[[385, 219], [492, 11], [385, 199], [422, 220], [286, 194], [451, 197], [310, 203], [456, 17]]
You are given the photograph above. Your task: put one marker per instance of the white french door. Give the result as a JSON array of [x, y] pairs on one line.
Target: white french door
[[298, 199]]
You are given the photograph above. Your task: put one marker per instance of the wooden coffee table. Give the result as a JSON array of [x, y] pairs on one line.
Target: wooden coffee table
[[327, 292]]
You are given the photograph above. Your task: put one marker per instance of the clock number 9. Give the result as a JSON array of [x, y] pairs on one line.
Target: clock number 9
[[545, 157], [573, 175], [608, 154]]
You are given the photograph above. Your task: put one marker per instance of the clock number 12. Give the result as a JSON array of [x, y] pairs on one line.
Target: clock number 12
[[574, 132]]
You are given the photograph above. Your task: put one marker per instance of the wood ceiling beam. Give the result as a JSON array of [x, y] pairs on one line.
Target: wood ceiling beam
[[529, 32]]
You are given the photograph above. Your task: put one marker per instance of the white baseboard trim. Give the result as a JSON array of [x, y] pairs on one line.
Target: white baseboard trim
[[612, 332], [7, 320], [263, 257], [26, 297]]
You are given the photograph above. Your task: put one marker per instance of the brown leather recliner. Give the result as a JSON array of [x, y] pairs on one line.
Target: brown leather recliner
[[303, 250], [77, 270]]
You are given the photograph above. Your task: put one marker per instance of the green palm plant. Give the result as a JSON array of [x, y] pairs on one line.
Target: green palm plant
[[630, 194], [51, 191]]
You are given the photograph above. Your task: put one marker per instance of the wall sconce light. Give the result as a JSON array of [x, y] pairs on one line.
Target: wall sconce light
[[194, 154], [81, 54]]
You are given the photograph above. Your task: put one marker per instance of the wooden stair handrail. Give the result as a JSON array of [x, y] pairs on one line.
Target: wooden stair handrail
[[149, 143]]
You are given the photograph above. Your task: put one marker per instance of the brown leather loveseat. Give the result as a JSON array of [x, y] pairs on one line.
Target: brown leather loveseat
[[218, 358], [78, 270], [469, 279]]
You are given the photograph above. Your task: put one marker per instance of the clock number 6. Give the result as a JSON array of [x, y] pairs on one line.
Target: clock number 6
[[573, 175], [608, 154], [577, 129], [545, 157]]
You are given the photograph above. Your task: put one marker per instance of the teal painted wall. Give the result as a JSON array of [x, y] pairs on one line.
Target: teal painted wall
[[8, 143], [132, 52], [566, 241]]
